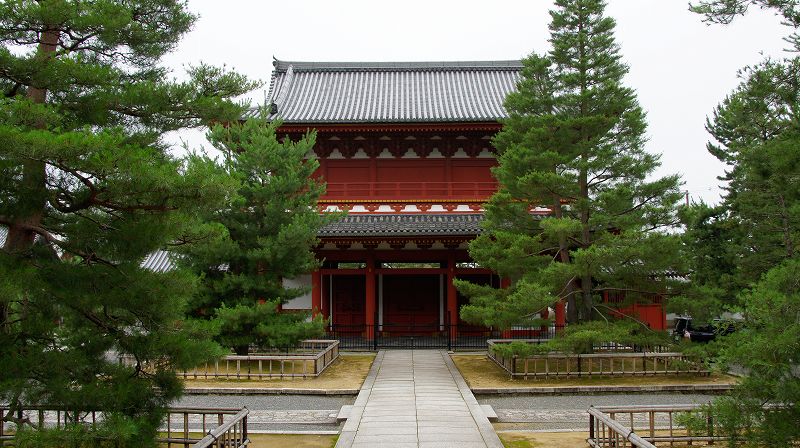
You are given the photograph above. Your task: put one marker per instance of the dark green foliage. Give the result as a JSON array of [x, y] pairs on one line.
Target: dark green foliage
[[725, 11], [574, 143], [87, 189], [586, 337], [269, 228], [747, 247], [764, 408], [757, 133]]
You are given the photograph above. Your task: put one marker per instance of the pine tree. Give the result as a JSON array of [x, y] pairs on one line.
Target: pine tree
[[271, 226], [574, 145], [755, 131], [87, 189]]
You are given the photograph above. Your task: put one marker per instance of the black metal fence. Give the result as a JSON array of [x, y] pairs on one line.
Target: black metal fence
[[428, 336]]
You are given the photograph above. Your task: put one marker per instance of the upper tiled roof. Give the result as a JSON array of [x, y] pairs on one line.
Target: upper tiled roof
[[391, 92], [159, 261], [398, 225]]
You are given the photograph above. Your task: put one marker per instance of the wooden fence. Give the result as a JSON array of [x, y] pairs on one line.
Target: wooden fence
[[645, 427], [183, 427], [595, 364], [310, 360]]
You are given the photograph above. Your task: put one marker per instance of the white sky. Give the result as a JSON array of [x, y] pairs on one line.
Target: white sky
[[680, 67]]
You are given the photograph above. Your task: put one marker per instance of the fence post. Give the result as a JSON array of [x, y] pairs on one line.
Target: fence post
[[450, 333], [375, 337], [710, 423], [579, 365]]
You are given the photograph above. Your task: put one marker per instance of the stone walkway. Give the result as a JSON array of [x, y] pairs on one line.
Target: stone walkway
[[416, 398]]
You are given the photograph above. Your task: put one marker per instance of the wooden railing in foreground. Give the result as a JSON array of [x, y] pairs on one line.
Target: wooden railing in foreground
[[310, 359], [196, 427], [644, 427], [231, 434], [183, 427], [595, 364]]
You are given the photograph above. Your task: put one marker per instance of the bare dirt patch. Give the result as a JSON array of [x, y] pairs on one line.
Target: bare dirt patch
[[347, 372], [480, 372]]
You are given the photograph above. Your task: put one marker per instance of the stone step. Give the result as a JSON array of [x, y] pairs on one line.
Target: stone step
[[346, 411], [488, 411]]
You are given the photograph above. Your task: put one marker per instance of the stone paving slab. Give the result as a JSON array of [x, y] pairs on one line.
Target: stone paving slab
[[416, 398]]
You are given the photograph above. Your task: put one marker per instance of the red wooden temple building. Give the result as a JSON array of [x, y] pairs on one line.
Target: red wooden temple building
[[405, 149]]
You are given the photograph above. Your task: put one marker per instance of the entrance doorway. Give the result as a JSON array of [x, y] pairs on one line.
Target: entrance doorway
[[347, 300], [410, 304]]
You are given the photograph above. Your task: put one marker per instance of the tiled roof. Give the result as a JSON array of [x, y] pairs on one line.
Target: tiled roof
[[396, 225], [391, 92], [158, 261]]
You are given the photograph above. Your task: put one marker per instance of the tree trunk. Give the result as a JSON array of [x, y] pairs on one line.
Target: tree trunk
[[32, 203], [586, 239], [32, 206], [563, 255]]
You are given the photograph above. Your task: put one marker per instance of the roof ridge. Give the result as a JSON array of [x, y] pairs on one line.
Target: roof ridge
[[282, 66]]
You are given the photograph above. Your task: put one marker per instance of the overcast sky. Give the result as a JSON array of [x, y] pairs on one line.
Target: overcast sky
[[680, 67]]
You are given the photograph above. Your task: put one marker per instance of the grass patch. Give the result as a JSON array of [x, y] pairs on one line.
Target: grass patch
[[292, 441], [347, 372], [282, 440], [543, 439], [481, 372]]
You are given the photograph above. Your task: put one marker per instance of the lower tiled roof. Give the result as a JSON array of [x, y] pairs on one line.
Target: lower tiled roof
[[398, 225]]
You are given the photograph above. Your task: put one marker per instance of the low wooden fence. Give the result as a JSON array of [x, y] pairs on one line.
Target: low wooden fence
[[309, 360], [595, 364], [645, 427], [183, 427]]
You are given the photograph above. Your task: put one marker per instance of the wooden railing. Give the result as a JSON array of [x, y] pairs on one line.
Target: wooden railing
[[645, 427], [417, 190], [231, 434], [310, 359], [596, 364], [187, 427], [183, 427]]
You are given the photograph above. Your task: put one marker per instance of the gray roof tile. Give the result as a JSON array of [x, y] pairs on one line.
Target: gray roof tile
[[392, 92], [399, 225]]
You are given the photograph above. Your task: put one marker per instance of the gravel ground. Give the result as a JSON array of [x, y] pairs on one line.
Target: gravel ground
[[540, 413], [267, 402], [582, 402]]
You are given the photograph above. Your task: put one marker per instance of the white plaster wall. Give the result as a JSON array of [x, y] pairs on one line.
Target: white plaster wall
[[303, 302]]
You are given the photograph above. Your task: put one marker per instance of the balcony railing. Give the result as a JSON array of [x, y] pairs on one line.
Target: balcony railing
[[406, 190]]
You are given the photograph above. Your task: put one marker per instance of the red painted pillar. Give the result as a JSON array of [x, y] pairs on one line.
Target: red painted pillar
[[369, 309], [505, 283], [452, 295], [560, 316], [316, 292]]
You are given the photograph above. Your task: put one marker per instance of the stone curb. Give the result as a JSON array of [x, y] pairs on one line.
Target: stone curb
[[260, 391], [593, 390], [490, 437], [347, 435]]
